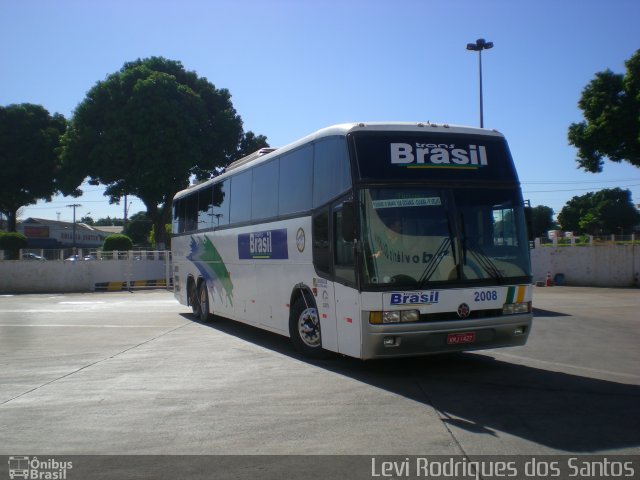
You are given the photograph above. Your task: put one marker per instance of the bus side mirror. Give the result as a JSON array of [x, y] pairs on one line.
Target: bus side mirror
[[528, 217], [348, 222]]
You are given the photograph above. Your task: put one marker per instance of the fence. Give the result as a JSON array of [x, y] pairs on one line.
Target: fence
[[58, 271], [589, 240]]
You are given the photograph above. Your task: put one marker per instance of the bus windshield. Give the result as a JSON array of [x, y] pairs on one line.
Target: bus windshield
[[415, 237]]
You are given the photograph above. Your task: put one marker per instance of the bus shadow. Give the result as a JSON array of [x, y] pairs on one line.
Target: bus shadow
[[540, 313], [485, 396]]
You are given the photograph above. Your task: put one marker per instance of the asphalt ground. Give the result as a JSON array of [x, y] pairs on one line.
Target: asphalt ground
[[133, 373]]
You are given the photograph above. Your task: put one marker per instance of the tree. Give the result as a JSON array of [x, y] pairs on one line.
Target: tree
[[12, 242], [109, 222], [146, 130], [117, 242], [608, 211], [138, 228], [611, 106], [542, 219], [29, 164]]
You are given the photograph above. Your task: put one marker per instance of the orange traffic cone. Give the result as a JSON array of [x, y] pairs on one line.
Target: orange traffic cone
[[548, 281]]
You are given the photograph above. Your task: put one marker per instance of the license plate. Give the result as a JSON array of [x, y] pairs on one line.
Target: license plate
[[458, 338]]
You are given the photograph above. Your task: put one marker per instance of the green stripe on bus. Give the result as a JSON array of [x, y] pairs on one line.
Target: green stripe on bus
[[511, 294]]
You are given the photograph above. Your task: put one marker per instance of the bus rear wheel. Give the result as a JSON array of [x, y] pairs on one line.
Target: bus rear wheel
[[304, 329], [203, 302]]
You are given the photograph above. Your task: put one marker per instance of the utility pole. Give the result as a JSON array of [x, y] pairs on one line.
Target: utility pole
[[124, 223], [74, 206]]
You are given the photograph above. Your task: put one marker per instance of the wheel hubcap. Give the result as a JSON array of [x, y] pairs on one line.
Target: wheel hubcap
[[309, 327]]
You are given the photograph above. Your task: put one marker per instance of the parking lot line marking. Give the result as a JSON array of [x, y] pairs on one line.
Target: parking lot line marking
[[89, 365], [79, 303]]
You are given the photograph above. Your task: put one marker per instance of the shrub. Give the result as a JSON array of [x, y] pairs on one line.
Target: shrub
[[13, 242], [118, 242]]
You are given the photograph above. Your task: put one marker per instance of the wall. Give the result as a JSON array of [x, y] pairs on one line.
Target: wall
[[601, 266], [596, 265], [58, 276]]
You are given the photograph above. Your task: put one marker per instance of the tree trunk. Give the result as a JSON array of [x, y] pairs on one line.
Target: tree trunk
[[11, 220]]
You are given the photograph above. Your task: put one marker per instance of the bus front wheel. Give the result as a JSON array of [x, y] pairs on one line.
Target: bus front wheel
[[304, 328], [194, 301]]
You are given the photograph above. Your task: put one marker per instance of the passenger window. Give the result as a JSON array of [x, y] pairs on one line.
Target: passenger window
[[191, 221], [265, 191], [241, 197], [178, 217], [331, 170], [296, 176], [220, 207], [205, 217]]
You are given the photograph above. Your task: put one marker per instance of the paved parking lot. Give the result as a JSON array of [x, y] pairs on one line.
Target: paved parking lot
[[123, 373]]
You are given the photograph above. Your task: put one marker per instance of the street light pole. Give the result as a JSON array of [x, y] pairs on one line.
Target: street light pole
[[481, 44]]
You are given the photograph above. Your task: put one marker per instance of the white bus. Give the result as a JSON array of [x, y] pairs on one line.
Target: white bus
[[369, 240]]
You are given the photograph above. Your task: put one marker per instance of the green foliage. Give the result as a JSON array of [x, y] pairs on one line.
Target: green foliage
[[605, 212], [12, 242], [542, 219], [152, 237], [138, 228], [119, 242], [611, 108], [29, 138], [146, 130], [109, 222]]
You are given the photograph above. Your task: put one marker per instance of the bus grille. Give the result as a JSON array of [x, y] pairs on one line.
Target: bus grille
[[450, 316]]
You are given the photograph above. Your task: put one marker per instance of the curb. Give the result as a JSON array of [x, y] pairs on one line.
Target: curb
[[133, 285]]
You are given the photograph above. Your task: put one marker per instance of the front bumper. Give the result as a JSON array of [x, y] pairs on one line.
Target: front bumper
[[408, 340]]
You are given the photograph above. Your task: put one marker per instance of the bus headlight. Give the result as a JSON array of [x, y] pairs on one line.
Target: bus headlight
[[515, 308], [395, 316]]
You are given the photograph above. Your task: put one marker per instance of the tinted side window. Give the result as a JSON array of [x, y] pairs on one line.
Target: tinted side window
[[191, 221], [220, 207], [241, 197], [204, 208], [178, 217], [331, 171], [296, 174], [265, 191]]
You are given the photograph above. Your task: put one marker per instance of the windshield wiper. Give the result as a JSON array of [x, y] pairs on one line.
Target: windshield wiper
[[486, 263], [434, 261]]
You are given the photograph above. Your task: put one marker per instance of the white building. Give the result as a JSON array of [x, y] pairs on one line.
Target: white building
[[44, 233]]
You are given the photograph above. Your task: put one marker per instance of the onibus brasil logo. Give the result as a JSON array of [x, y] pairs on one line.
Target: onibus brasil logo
[[430, 155], [33, 468]]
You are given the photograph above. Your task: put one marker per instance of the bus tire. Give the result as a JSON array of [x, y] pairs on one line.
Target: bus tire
[[304, 329], [203, 302], [194, 301]]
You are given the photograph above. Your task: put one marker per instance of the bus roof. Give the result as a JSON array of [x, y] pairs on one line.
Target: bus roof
[[342, 129]]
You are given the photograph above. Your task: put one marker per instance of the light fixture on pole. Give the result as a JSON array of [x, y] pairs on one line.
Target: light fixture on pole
[[481, 44]]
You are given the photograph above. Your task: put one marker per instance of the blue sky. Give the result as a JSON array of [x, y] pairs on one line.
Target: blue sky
[[295, 66]]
